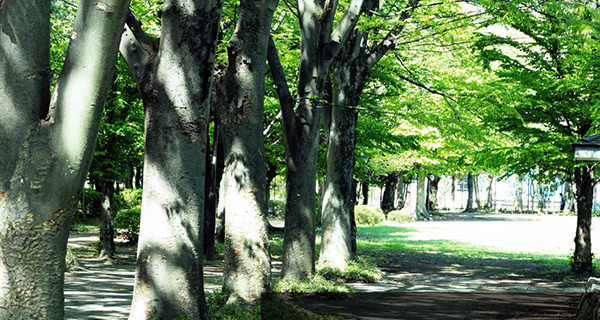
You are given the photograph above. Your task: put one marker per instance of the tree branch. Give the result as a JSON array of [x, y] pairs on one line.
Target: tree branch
[[283, 91]]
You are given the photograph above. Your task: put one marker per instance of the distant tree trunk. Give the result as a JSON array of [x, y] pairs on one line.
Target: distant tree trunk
[[584, 180], [541, 199], [47, 144], [519, 194], [401, 192], [490, 198], [469, 207], [107, 216], [476, 196], [421, 208], [365, 192], [138, 177], [432, 203], [453, 193], [174, 75], [389, 193], [569, 199], [210, 196]]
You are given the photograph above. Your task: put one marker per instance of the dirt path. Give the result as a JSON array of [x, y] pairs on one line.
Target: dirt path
[[416, 286]]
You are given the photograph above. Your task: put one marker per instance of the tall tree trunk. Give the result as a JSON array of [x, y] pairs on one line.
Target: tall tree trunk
[[401, 189], [421, 208], [365, 192], [584, 180], [568, 194], [240, 110], [107, 216], [339, 232], [389, 192], [469, 207], [174, 75], [47, 144]]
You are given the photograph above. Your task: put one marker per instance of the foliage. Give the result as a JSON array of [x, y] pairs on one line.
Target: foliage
[[401, 216], [70, 260], [314, 284], [360, 269], [129, 221], [368, 215], [276, 208], [130, 198], [90, 204], [571, 257], [219, 309]]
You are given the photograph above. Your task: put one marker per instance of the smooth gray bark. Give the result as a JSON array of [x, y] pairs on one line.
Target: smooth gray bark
[[47, 146], [239, 107], [174, 75], [320, 45], [420, 207], [353, 64]]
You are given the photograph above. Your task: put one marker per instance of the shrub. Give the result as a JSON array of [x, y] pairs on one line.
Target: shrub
[[401, 216], [276, 208], [368, 215], [129, 221], [91, 202], [130, 198]]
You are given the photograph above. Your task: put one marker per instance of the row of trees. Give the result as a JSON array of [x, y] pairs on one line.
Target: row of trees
[[406, 67]]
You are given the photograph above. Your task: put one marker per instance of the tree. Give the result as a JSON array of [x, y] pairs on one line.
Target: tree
[[239, 106], [174, 75], [47, 144], [320, 44], [547, 64]]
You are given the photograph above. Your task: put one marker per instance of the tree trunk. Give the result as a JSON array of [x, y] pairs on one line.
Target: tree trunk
[[582, 257], [338, 202], [47, 145], [107, 215], [401, 189], [174, 75], [389, 192], [489, 204], [365, 192], [519, 194], [476, 196], [453, 193], [421, 208], [433, 191], [240, 110], [469, 207]]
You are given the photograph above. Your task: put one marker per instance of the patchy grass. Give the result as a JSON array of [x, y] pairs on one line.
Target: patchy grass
[[314, 284], [360, 269]]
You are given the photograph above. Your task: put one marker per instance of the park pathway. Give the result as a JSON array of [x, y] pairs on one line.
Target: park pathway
[[99, 289]]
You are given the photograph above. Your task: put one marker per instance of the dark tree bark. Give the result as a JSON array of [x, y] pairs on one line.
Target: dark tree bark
[[389, 192], [239, 110], [107, 216], [432, 202], [519, 194], [470, 191], [174, 75], [365, 192], [582, 257], [47, 144]]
